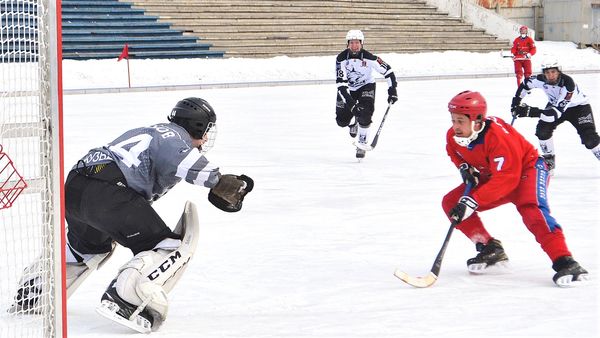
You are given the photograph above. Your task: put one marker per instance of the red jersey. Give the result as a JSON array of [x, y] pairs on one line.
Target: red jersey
[[500, 154], [522, 46]]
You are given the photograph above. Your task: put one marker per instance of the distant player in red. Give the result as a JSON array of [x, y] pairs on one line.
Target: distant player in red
[[503, 168], [522, 50]]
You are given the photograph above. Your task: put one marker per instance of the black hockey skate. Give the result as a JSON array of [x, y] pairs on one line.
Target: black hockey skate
[[360, 153], [550, 162], [353, 129], [568, 272], [490, 254], [115, 308], [26, 300]]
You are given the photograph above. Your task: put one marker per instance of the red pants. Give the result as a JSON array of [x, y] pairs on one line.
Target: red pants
[[522, 66], [531, 201]]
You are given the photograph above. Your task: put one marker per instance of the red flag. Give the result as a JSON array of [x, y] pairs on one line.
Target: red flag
[[124, 53]]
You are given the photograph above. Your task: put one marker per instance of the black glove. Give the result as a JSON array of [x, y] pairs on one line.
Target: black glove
[[469, 174], [524, 110], [229, 192], [465, 208], [515, 102], [350, 102], [562, 105], [392, 95], [357, 109]]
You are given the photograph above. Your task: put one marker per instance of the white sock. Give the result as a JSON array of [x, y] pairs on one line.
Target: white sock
[[363, 134], [596, 151], [547, 146]]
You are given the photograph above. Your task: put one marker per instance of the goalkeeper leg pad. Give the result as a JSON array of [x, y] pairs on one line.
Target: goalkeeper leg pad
[[145, 281]]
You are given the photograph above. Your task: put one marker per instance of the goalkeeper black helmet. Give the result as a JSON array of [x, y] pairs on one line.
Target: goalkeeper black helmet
[[195, 115]]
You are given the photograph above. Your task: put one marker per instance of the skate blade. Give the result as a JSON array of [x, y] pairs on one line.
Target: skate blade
[[109, 310], [481, 268], [568, 281]]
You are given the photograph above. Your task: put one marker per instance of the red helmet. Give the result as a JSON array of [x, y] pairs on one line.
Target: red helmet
[[469, 103], [523, 28]]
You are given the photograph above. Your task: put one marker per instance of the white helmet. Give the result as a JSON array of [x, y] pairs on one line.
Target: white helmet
[[355, 34], [551, 63]]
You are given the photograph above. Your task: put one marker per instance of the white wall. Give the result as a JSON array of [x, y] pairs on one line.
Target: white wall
[[570, 20], [480, 17]]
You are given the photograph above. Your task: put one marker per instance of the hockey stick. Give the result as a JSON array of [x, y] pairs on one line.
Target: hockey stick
[[369, 147], [427, 281], [511, 56], [376, 138]]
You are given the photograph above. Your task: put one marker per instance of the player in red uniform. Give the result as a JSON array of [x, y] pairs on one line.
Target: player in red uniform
[[522, 50], [503, 168]]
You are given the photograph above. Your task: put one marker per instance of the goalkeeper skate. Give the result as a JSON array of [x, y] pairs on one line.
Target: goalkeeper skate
[[490, 254], [113, 307]]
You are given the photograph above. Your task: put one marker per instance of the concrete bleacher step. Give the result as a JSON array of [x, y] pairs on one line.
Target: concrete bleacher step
[[101, 28], [176, 54], [118, 24], [94, 40], [95, 10], [265, 28], [92, 4], [134, 47], [132, 32], [106, 17]]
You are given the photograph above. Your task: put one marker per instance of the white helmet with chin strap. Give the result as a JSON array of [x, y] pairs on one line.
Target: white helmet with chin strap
[[551, 63], [355, 34]]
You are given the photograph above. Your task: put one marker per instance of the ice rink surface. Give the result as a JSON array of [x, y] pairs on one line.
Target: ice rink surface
[[313, 251]]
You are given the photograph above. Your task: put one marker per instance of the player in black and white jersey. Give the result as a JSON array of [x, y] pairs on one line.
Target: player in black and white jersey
[[108, 197], [356, 88], [566, 102]]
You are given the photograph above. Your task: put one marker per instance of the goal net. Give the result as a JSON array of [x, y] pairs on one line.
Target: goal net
[[31, 221]]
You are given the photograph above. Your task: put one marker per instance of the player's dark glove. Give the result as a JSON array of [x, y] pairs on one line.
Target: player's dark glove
[[524, 110], [229, 192], [562, 105], [392, 95], [466, 207], [516, 101], [470, 175], [350, 102]]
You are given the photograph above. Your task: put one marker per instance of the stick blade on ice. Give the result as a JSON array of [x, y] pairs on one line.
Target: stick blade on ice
[[418, 282]]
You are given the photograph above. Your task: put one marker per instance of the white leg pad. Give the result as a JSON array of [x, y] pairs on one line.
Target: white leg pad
[[150, 275], [79, 272]]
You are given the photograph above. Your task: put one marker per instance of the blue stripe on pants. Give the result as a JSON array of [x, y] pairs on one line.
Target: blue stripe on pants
[[541, 194]]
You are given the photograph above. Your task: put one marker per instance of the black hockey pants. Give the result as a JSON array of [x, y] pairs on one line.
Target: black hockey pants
[[365, 105], [101, 209], [581, 118]]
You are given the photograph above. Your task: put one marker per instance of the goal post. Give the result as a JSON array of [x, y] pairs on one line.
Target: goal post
[[32, 231]]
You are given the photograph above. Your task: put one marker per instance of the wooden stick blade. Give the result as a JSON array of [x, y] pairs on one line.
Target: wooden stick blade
[[418, 282]]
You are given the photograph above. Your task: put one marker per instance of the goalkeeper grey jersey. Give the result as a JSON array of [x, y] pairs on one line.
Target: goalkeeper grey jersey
[[153, 159]]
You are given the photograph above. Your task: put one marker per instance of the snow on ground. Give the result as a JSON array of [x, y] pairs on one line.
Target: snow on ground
[[110, 73], [313, 251]]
